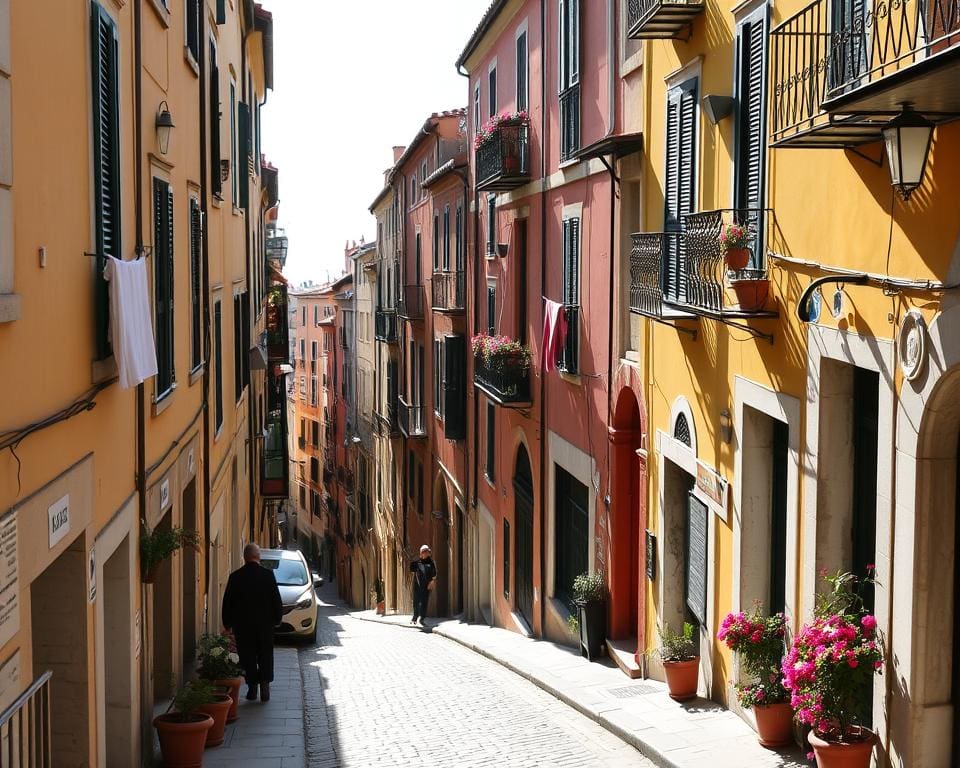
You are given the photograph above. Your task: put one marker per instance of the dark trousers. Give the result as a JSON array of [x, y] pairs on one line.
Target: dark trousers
[[256, 656], [420, 598]]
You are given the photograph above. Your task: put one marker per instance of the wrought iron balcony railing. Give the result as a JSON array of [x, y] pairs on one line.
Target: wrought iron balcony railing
[[449, 292], [411, 302], [504, 385], [569, 123], [503, 161], [658, 20], [388, 420], [386, 325], [412, 420], [278, 342], [26, 726], [657, 284], [838, 73]]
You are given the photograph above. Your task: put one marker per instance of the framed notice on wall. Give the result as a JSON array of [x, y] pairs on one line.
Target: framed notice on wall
[[696, 557]]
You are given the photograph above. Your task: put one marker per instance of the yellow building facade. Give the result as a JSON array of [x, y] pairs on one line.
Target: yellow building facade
[[88, 467], [796, 410]]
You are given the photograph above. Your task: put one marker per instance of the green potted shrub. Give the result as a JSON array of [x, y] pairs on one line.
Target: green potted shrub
[[182, 730], [220, 664], [681, 664], [590, 598], [758, 641], [156, 546]]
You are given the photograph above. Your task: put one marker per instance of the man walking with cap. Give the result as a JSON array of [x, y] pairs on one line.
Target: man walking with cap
[[424, 579], [252, 608]]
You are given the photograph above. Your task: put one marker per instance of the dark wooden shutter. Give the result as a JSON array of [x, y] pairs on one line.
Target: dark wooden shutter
[[679, 184], [221, 11], [193, 28], [750, 128], [454, 389], [446, 238], [243, 172], [163, 282], [218, 365], [522, 72], [696, 557], [215, 183], [196, 237], [436, 241], [106, 163]]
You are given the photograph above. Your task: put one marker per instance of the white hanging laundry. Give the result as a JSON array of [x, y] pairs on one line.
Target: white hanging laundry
[[131, 327]]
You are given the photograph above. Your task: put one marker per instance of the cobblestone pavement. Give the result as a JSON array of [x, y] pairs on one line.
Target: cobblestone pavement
[[379, 695]]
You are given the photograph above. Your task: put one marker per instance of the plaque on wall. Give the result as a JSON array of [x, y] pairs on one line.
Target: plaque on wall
[[9, 579], [696, 565], [651, 542]]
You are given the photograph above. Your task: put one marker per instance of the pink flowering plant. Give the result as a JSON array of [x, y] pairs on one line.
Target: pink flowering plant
[[735, 236], [830, 666], [489, 128], [500, 351], [758, 641]]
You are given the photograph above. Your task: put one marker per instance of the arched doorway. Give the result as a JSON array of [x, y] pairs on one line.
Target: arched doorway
[[523, 534], [441, 549], [627, 525]]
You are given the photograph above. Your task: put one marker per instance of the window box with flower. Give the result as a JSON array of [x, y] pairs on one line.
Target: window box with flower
[[502, 151], [501, 368]]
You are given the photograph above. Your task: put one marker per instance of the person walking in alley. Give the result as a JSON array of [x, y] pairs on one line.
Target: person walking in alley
[[424, 579], [251, 609]]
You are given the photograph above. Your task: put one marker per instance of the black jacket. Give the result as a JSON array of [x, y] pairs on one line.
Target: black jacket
[[251, 601], [424, 571]]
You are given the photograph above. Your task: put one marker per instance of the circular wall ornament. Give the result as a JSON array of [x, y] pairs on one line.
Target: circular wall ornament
[[912, 344]]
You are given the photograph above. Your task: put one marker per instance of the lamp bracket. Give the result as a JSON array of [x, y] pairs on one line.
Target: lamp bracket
[[877, 161]]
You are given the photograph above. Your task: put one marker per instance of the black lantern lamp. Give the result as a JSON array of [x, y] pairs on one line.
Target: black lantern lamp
[[907, 139], [164, 124]]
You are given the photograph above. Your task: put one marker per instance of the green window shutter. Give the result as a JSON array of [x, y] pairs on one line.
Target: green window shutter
[[196, 236], [221, 11], [749, 171], [679, 184], [216, 185], [243, 174], [163, 281], [106, 163], [218, 365], [454, 390]]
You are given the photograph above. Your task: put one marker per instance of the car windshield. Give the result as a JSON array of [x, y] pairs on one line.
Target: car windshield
[[289, 573]]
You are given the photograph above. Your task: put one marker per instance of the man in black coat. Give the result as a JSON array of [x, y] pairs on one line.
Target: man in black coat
[[424, 579], [251, 609]]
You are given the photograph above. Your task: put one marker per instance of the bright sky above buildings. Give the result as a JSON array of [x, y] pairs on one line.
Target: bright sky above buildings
[[352, 80]]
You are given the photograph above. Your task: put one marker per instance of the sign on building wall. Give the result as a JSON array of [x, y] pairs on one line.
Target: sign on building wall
[[58, 520], [164, 494], [92, 573], [9, 572], [9, 680]]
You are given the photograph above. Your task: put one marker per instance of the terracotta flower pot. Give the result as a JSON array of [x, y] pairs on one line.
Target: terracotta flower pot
[[774, 724], [751, 294], [218, 710], [682, 678], [181, 744], [233, 684], [737, 258], [851, 754]]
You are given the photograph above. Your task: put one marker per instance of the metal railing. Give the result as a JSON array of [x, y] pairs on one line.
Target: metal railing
[[386, 325], [449, 292], [818, 55], [505, 157], [507, 384], [25, 740], [411, 302], [278, 342], [569, 122], [652, 19], [703, 264], [387, 415], [647, 260], [412, 421], [568, 356]]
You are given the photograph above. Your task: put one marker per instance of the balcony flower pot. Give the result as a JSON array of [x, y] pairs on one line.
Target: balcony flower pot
[[681, 665], [774, 724], [182, 740], [233, 685], [751, 294], [736, 258], [852, 753], [218, 710]]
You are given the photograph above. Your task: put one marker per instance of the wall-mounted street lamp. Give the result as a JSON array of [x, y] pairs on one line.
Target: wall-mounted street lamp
[[726, 426], [164, 123], [907, 140]]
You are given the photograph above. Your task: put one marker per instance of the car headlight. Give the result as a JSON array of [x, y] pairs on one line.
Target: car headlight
[[305, 601]]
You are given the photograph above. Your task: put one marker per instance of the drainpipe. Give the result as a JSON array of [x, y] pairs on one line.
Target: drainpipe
[[544, 143], [614, 184]]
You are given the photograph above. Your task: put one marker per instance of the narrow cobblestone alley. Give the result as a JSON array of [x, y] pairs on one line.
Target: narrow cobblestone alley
[[397, 696]]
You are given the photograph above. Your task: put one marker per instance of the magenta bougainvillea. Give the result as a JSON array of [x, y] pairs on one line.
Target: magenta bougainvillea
[[759, 642], [489, 128]]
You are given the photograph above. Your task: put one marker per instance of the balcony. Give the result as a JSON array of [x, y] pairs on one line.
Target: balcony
[[412, 421], [838, 78], [656, 20], [570, 123], [385, 321], [388, 421], [503, 161], [449, 292], [652, 283], [411, 302], [274, 461], [278, 343], [506, 385]]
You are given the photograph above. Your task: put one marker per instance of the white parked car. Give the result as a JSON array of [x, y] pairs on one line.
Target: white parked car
[[297, 592]]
